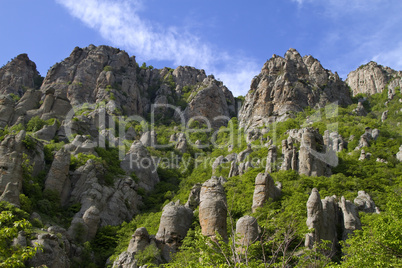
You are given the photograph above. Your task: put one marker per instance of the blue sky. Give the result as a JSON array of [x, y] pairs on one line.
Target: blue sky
[[230, 39]]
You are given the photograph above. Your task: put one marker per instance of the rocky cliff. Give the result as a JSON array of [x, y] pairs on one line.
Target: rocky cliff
[[288, 84], [372, 78]]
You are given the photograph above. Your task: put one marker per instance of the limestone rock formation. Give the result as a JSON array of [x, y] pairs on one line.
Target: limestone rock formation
[[322, 217], [244, 154], [314, 158], [53, 254], [271, 159], [213, 209], [399, 154], [287, 85], [372, 78], [181, 144], [148, 138], [360, 110], [364, 203], [247, 231], [19, 75], [11, 194], [351, 220], [174, 224], [58, 177], [265, 189], [139, 161], [194, 197], [100, 204], [211, 101]]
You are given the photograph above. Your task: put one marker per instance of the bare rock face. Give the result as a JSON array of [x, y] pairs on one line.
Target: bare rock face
[[210, 101], [265, 189], [53, 253], [174, 224], [148, 138], [244, 154], [194, 197], [101, 204], [181, 144], [213, 209], [139, 242], [18, 75], [287, 85], [6, 110], [351, 220], [58, 177], [399, 154], [334, 141], [271, 159], [360, 110], [364, 203], [372, 78], [139, 161], [247, 231], [322, 216], [11, 194], [314, 156]]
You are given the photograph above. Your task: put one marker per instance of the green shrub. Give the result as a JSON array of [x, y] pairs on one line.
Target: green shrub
[[108, 68], [35, 124]]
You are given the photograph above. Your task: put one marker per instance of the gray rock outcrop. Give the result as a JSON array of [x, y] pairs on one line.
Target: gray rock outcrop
[[372, 78], [174, 224], [271, 159], [264, 190], [53, 254], [58, 177], [399, 154], [19, 75], [139, 161], [364, 203], [101, 204], [213, 209], [287, 85], [351, 220], [11, 194], [194, 197], [247, 232]]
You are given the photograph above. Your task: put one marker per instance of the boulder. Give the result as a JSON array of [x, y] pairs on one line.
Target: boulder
[[213, 209], [364, 203], [53, 254], [174, 224], [148, 138], [360, 110], [247, 232], [384, 116], [265, 189]]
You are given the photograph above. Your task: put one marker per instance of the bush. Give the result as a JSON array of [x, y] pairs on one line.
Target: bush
[[35, 124]]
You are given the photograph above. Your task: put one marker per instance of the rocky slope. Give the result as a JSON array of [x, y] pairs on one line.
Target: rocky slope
[[287, 85], [372, 78]]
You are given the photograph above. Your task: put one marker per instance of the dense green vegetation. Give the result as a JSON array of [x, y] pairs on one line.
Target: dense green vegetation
[[283, 222]]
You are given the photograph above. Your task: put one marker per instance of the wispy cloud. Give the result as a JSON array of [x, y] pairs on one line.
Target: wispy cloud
[[120, 23]]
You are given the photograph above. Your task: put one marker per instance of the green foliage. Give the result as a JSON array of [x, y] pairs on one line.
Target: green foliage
[[13, 221], [379, 243], [110, 160], [148, 256], [81, 159], [35, 124], [108, 68], [29, 142], [15, 97]]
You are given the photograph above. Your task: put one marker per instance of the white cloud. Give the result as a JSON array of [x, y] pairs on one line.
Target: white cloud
[[392, 58], [121, 24]]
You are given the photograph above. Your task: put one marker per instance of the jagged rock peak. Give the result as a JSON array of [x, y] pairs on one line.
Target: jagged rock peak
[[287, 85], [18, 75], [372, 78]]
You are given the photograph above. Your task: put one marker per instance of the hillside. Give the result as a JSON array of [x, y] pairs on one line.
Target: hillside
[[106, 163]]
